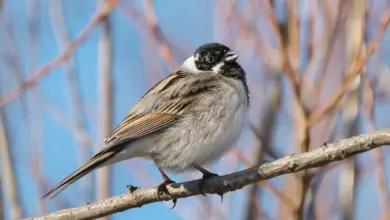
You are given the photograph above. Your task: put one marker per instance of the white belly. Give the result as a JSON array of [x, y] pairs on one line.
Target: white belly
[[224, 134]]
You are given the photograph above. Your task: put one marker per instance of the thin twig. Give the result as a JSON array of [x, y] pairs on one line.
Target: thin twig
[[289, 71], [310, 45], [322, 156], [289, 50], [271, 56], [142, 21], [348, 181], [267, 130], [149, 22], [352, 73], [62, 38], [36, 120], [105, 96], [329, 40], [381, 175], [156, 34], [2, 214], [9, 174], [15, 65], [61, 58], [293, 52]]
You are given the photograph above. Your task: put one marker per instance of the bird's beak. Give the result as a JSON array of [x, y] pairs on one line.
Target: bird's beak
[[231, 56]]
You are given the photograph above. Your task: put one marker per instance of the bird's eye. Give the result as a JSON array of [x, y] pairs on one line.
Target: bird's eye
[[209, 58]]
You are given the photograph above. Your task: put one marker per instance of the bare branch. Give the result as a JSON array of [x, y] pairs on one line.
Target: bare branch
[[370, 98], [9, 174], [354, 70], [322, 156], [329, 39], [1, 199], [58, 61], [268, 123], [105, 96], [156, 34], [63, 40]]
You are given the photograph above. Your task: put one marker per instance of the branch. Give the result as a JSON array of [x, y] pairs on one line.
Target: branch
[[8, 172], [266, 132], [103, 176], [293, 163], [352, 73], [61, 34], [157, 36], [1, 200], [63, 57]]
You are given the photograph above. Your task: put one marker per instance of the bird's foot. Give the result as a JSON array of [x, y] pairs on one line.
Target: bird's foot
[[162, 188], [206, 176]]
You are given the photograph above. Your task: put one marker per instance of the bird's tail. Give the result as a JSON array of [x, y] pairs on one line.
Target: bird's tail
[[92, 164]]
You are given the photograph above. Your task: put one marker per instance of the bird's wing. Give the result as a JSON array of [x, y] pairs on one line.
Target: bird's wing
[[157, 109], [136, 126]]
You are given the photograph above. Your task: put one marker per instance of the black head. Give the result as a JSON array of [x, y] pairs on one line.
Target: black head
[[210, 55], [216, 58]]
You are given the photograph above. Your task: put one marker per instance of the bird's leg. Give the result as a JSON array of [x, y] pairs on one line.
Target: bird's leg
[[162, 188], [206, 175]]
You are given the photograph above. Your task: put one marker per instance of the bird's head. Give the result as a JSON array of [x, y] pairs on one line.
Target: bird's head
[[210, 57]]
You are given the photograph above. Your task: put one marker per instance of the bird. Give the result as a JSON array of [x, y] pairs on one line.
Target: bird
[[188, 120]]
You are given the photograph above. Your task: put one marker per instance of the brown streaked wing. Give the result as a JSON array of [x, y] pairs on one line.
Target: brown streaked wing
[[161, 115], [134, 127]]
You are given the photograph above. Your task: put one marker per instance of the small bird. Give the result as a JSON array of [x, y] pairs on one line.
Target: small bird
[[188, 120]]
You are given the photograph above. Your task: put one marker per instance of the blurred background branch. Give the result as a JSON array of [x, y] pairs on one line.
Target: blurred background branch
[[35, 116], [76, 100], [266, 133], [58, 61], [2, 214], [318, 71], [103, 175], [8, 172], [349, 125]]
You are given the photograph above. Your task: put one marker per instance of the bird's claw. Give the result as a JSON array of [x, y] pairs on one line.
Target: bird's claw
[[162, 188], [221, 195], [205, 177]]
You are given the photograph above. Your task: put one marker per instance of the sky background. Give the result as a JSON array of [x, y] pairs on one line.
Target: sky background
[[136, 66]]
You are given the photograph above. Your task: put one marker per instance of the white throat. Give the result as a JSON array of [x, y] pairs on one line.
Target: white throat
[[189, 65]]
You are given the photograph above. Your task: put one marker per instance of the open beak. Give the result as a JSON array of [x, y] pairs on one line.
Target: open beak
[[231, 56]]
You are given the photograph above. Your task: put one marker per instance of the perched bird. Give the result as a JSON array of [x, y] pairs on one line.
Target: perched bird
[[189, 119]]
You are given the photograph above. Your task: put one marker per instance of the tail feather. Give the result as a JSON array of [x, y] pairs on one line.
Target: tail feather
[[92, 164]]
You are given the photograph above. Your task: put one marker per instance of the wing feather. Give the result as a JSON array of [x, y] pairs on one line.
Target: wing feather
[[161, 106], [134, 127]]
